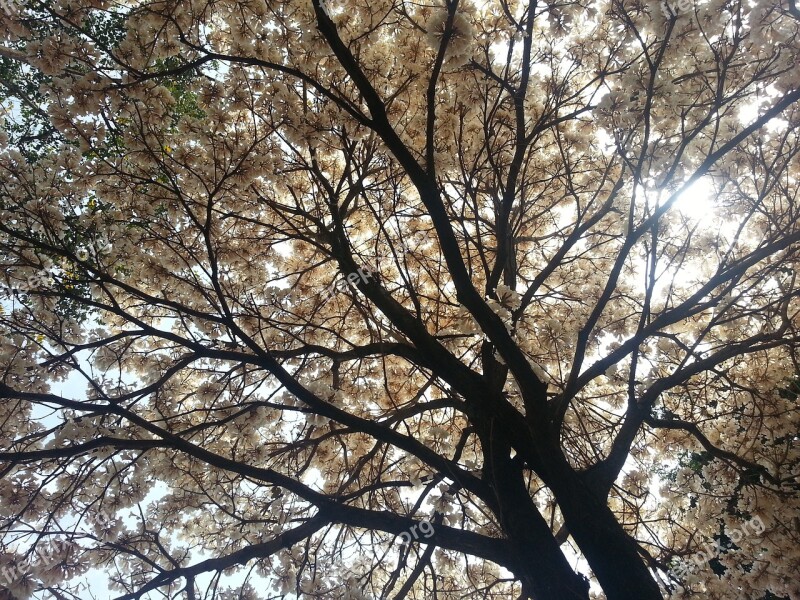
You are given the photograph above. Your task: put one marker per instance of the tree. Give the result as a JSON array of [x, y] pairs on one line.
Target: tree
[[376, 299]]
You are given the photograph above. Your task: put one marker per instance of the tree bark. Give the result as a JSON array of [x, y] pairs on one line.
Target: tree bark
[[541, 566], [611, 553]]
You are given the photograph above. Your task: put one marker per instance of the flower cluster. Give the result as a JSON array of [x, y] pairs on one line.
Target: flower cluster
[[459, 43], [43, 277]]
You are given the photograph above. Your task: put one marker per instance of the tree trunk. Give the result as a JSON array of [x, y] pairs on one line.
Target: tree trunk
[[541, 566], [611, 553]]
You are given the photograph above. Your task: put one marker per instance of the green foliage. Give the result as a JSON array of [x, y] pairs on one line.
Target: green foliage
[[26, 123]]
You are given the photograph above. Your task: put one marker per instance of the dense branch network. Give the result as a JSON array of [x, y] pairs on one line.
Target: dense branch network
[[288, 280]]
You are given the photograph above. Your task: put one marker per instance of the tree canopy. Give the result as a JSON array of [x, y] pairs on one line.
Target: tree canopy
[[387, 299]]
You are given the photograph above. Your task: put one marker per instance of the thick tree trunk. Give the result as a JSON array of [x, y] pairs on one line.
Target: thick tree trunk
[[610, 552], [542, 568], [612, 555]]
